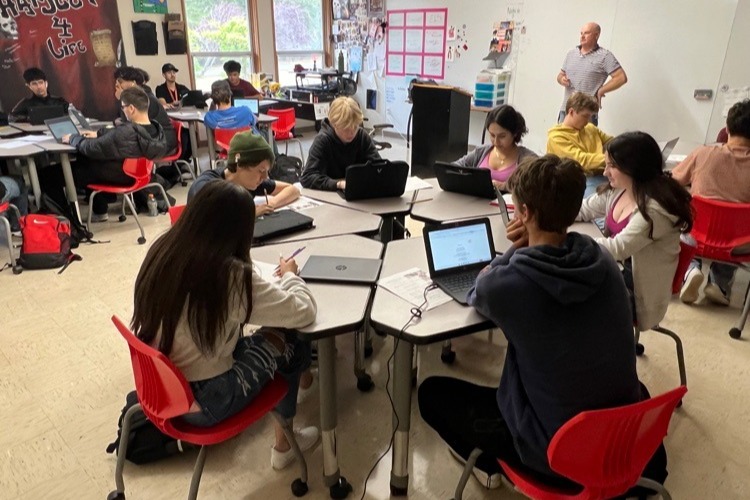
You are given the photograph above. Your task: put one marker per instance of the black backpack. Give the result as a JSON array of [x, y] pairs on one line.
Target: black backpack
[[78, 232], [146, 443], [286, 169]]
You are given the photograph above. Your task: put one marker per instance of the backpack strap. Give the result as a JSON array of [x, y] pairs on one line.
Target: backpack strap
[[71, 258]]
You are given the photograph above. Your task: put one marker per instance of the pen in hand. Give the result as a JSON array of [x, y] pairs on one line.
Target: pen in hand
[[294, 254], [265, 193]]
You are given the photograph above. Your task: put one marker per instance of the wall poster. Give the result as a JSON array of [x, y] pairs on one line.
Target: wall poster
[[416, 42]]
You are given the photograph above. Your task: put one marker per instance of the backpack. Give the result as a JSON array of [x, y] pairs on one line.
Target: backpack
[[146, 443], [46, 242], [78, 232], [286, 169]]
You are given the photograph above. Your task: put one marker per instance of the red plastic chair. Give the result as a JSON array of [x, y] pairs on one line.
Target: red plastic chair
[[140, 170], [175, 158], [223, 136], [175, 212], [687, 252], [282, 129], [164, 395], [604, 451], [4, 207], [721, 230]]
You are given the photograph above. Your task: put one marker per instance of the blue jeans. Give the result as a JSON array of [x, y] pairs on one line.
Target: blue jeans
[[18, 195], [255, 362], [592, 182], [719, 274]]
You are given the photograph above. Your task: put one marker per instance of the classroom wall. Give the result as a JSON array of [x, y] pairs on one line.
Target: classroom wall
[[668, 49], [152, 64]]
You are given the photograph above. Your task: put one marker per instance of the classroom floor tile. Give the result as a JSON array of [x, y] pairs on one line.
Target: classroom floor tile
[[64, 373]]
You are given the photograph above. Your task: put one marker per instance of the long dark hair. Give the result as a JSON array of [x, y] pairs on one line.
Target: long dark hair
[[197, 262], [637, 155]]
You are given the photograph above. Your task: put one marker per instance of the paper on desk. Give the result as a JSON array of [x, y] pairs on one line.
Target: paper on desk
[[266, 270], [508, 201], [413, 183], [33, 139], [14, 143], [410, 285], [303, 203]]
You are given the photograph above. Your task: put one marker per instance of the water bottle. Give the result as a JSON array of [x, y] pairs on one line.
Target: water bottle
[[341, 61], [153, 210]]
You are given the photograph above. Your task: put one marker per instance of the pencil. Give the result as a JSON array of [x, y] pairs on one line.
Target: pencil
[[421, 201], [265, 193]]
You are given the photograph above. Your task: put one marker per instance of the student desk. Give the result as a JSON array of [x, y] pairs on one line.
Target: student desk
[[25, 152], [29, 128], [52, 146], [393, 210], [334, 317], [8, 131], [190, 115], [446, 206], [332, 220]]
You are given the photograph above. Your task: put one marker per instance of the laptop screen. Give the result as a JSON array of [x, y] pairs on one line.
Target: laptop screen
[[248, 103], [61, 126], [455, 247]]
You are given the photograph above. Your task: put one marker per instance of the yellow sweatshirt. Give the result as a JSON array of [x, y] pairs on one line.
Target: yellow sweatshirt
[[586, 146]]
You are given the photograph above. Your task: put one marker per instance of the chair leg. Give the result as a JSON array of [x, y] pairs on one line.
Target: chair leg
[[195, 482], [736, 331], [122, 451], [299, 485], [142, 239], [680, 354], [9, 237], [653, 485], [91, 209], [448, 355], [468, 468]]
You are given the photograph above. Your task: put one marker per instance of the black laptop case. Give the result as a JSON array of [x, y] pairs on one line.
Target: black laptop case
[[37, 114], [471, 181], [280, 223], [376, 179]]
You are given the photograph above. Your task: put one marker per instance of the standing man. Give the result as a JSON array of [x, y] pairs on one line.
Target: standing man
[[237, 84], [586, 69], [170, 92], [36, 81]]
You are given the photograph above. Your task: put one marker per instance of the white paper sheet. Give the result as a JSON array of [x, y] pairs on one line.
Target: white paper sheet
[[413, 183], [410, 284], [303, 203], [266, 270], [413, 41], [433, 41]]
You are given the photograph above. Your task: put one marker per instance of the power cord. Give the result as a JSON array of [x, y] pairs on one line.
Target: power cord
[[416, 315]]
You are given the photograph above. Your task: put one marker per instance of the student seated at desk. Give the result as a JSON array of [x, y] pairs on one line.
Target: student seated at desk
[[580, 140], [232, 69], [560, 300], [225, 115], [340, 143], [99, 158], [36, 81], [170, 92], [192, 306], [248, 162], [505, 127], [13, 190], [645, 211]]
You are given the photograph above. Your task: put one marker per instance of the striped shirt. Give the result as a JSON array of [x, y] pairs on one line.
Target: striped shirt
[[587, 72]]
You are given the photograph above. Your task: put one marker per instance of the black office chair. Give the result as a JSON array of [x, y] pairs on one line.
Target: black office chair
[[378, 129]]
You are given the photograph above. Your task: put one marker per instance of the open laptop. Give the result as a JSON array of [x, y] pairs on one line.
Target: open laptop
[[61, 126], [194, 98], [375, 179], [502, 206], [39, 114], [82, 121], [456, 252], [341, 269], [280, 223], [668, 147], [470, 181], [253, 104]]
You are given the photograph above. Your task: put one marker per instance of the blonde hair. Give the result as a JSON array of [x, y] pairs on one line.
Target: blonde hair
[[579, 102], [345, 113]]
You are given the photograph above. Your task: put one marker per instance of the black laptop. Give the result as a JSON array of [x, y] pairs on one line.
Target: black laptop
[[456, 253], [470, 181], [38, 114], [280, 223], [194, 98], [375, 179]]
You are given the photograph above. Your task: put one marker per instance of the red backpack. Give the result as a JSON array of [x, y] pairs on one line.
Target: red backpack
[[46, 242]]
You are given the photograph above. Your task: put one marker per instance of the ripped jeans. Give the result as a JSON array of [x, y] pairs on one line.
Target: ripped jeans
[[255, 362]]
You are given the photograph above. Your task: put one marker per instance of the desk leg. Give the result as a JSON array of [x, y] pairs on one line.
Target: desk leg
[[402, 417], [392, 228], [34, 178], [327, 376], [211, 148], [70, 186], [267, 135], [192, 130]]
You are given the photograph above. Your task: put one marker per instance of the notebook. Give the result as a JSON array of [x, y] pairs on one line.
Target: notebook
[[456, 253], [470, 181], [375, 179], [280, 223], [341, 269], [253, 104], [39, 114], [667, 147], [61, 126]]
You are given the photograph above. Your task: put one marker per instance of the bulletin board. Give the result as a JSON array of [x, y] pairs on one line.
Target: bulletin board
[[416, 42]]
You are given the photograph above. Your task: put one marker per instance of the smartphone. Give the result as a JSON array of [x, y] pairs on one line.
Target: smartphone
[[502, 206]]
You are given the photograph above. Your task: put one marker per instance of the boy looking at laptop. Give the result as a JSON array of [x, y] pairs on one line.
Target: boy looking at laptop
[[340, 143], [237, 84], [36, 81], [248, 162], [561, 301]]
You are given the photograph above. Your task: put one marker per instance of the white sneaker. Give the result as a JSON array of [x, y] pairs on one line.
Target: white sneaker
[[691, 286], [99, 217], [307, 438], [491, 482], [715, 295], [305, 394]]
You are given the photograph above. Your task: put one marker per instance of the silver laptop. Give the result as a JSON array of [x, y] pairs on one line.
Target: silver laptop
[[341, 269], [60, 127], [668, 147], [253, 104], [456, 253]]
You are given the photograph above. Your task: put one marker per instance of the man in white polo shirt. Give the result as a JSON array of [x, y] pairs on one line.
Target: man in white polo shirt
[[586, 69]]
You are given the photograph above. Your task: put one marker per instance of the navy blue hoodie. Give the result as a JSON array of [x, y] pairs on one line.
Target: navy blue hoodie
[[565, 312]]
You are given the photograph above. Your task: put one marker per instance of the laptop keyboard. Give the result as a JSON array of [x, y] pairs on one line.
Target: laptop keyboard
[[459, 282]]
